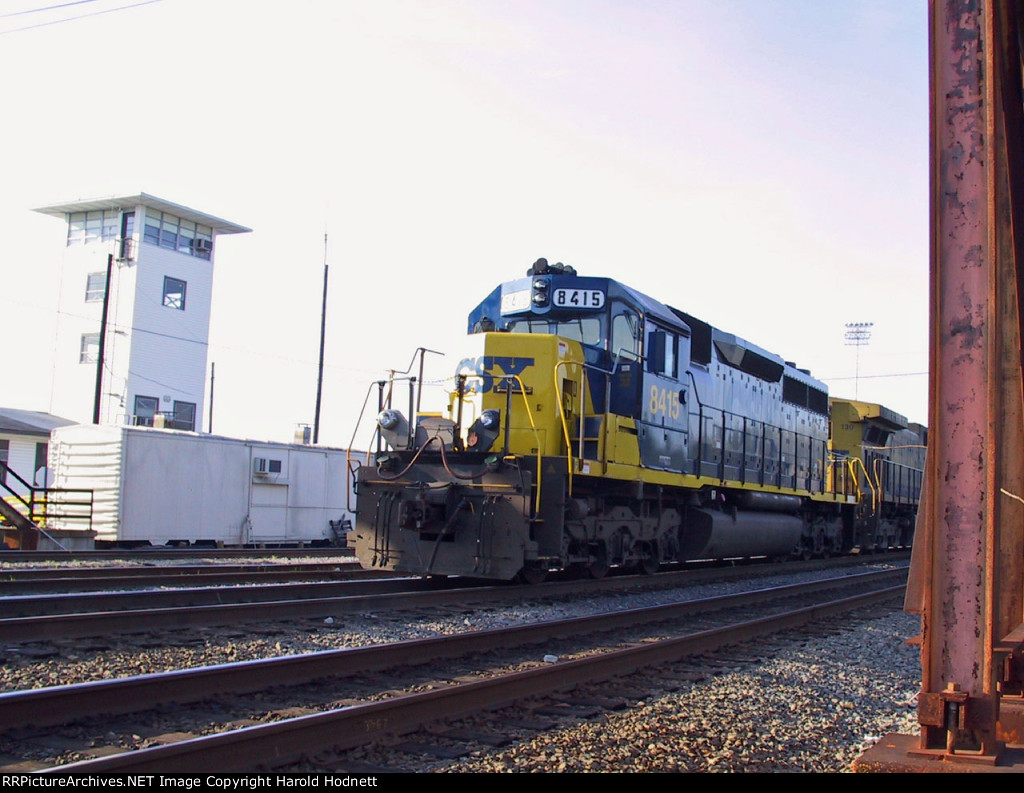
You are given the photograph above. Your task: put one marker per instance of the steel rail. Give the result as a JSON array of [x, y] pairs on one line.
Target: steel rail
[[198, 596], [67, 585], [163, 552], [450, 592], [288, 741], [146, 569], [62, 704]]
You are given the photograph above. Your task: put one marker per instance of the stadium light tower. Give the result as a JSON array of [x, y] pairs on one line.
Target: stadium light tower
[[858, 334]]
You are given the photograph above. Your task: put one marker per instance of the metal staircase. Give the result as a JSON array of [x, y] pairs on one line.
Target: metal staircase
[[25, 514]]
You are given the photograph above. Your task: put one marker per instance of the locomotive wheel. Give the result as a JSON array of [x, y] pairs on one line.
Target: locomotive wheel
[[650, 563]]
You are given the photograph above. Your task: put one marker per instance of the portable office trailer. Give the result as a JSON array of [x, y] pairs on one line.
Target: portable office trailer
[[162, 486]]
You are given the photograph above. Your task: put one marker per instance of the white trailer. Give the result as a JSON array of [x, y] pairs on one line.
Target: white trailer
[[162, 486]]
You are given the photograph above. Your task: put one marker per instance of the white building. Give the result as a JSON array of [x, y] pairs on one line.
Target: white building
[[160, 259], [24, 445], [159, 486]]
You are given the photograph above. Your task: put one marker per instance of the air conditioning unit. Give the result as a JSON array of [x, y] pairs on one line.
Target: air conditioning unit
[[260, 466], [202, 245]]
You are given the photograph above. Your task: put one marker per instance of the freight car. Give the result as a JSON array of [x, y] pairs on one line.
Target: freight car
[[595, 427]]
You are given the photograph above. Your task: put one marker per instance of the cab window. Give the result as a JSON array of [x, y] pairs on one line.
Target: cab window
[[626, 335], [663, 352]]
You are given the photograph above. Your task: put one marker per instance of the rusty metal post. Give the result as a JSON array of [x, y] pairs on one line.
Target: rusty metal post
[[970, 559]]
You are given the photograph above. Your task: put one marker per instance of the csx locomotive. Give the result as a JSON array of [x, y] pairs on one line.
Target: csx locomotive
[[595, 427]]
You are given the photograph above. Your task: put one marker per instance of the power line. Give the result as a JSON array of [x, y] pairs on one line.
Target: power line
[[874, 376], [44, 8], [80, 16]]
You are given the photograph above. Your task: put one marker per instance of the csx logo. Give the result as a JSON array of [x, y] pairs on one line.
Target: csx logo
[[492, 367]]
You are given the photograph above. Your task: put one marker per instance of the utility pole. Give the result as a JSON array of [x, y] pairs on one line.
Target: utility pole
[[209, 419], [320, 373], [102, 345], [858, 334]]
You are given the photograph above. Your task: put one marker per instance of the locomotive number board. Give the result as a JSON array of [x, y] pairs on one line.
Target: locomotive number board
[[578, 298]]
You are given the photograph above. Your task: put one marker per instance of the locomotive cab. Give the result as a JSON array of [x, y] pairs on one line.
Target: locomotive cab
[[634, 351]]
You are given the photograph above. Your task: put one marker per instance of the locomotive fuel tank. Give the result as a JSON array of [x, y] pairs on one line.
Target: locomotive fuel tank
[[734, 534]]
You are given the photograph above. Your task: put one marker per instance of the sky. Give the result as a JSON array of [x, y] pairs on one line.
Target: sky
[[760, 164]]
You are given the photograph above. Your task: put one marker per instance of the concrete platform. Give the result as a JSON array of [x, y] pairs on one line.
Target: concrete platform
[[892, 755]]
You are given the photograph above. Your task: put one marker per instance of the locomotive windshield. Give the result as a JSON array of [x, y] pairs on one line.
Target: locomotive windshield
[[586, 330]]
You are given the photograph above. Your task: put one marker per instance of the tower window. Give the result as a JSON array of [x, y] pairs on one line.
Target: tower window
[[145, 408], [95, 285], [177, 234], [89, 352], [184, 416], [94, 226], [174, 293]]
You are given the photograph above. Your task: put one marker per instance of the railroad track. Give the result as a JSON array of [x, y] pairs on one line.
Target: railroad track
[[343, 699], [72, 580], [144, 554], [46, 617]]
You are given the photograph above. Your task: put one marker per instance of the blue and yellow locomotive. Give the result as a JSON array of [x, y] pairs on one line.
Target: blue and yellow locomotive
[[884, 455], [593, 427]]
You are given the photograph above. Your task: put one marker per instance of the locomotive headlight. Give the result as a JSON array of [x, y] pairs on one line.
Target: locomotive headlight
[[540, 292], [484, 431], [394, 429], [388, 419]]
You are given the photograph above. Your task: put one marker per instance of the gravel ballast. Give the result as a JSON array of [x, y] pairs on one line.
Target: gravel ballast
[[811, 706], [814, 708]]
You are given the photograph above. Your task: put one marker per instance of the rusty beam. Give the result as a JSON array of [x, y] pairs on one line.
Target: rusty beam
[[973, 513]]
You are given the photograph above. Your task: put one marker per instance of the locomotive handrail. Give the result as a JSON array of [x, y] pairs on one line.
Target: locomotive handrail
[[533, 426], [793, 477], [561, 413], [850, 485], [867, 478], [421, 352], [696, 393], [348, 452], [899, 468], [359, 421]]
